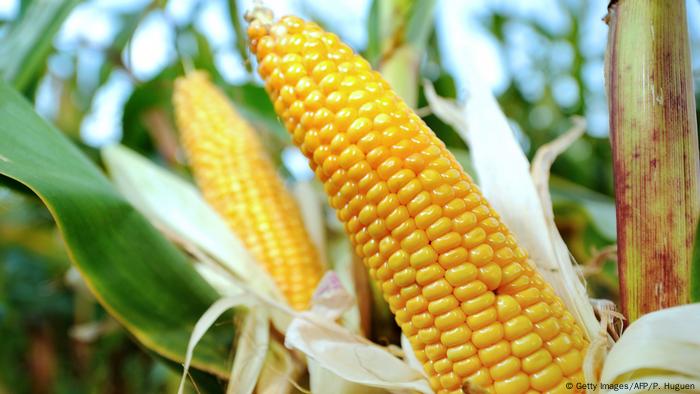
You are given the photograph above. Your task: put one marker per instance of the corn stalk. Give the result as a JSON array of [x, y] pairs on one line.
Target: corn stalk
[[655, 151]]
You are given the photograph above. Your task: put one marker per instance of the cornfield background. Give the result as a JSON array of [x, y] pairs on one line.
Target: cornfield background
[[102, 71]]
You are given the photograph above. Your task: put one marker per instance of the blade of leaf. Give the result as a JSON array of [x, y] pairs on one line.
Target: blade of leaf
[[138, 276], [241, 43], [26, 46]]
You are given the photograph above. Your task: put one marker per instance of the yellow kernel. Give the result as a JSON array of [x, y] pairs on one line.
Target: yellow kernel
[[368, 214], [388, 205], [403, 229], [482, 319], [455, 336], [450, 381], [453, 258], [389, 287], [429, 274], [428, 216], [536, 361], [422, 320], [481, 378], [510, 272], [419, 203], [516, 384], [464, 222], [387, 247], [446, 243], [450, 320], [517, 327], [455, 207], [377, 229], [388, 167], [414, 241], [423, 257], [437, 289], [538, 312], [505, 369], [526, 345], [491, 225], [461, 352], [377, 193], [409, 191], [376, 156], [488, 335], [399, 260], [508, 308], [405, 277], [546, 378], [559, 345], [491, 275], [442, 366], [400, 179], [438, 228], [367, 143], [470, 291], [480, 255], [435, 351], [430, 179], [528, 297], [569, 362], [482, 212], [443, 194], [466, 366], [384, 273], [519, 284], [496, 240], [443, 305], [476, 238], [429, 335], [410, 291], [370, 247], [416, 305], [548, 329], [495, 353]]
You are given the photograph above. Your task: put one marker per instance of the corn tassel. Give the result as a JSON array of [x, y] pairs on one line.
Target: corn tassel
[[462, 291], [239, 181]]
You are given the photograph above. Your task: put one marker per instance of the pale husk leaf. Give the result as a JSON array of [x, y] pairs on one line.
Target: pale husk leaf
[[279, 371], [662, 346], [176, 205]]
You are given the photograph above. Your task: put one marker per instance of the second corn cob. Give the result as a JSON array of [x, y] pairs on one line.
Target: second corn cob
[[461, 289], [238, 179]]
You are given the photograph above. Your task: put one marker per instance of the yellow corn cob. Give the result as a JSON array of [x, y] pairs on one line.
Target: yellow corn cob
[[239, 181], [461, 289]]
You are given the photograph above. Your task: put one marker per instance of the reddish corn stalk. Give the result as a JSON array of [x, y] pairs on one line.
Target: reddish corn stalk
[[655, 151]]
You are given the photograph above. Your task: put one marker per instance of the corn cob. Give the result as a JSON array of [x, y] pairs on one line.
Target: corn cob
[[239, 181], [461, 289]]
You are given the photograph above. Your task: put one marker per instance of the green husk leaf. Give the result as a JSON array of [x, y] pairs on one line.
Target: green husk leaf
[[145, 282]]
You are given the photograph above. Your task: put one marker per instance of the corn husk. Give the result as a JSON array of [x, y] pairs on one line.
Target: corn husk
[[343, 356], [661, 347], [161, 196]]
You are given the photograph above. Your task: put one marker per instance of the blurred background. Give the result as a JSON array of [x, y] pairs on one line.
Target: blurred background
[[102, 72]]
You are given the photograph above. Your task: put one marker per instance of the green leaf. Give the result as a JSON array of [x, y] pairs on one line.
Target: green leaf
[[695, 268], [241, 43], [599, 207], [24, 49], [145, 282]]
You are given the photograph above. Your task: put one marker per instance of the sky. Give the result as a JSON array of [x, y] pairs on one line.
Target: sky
[[462, 39]]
